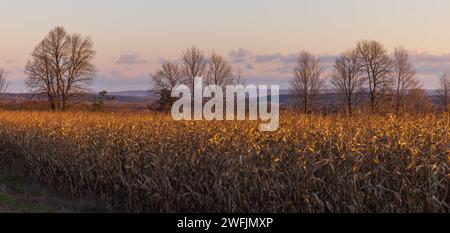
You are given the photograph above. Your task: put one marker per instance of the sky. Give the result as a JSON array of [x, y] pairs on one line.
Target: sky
[[260, 37]]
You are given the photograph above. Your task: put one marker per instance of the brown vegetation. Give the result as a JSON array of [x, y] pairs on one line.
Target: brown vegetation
[[141, 162]]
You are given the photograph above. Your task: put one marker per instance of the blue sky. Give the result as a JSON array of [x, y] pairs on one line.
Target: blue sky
[[146, 31]]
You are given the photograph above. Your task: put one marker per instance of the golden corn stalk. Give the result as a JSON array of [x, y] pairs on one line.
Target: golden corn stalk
[[150, 163]]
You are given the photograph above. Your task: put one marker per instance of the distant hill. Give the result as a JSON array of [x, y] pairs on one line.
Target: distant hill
[[147, 93], [123, 96], [146, 96], [136, 93]]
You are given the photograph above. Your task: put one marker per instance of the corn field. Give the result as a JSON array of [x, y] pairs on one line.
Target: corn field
[[149, 163]]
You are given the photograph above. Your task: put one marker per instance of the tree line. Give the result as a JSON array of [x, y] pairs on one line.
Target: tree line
[[61, 68], [194, 63], [365, 72]]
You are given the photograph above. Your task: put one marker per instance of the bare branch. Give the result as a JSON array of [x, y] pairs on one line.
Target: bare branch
[[347, 80], [61, 65], [194, 64], [220, 72], [308, 81], [404, 73], [373, 58], [164, 80], [443, 91]]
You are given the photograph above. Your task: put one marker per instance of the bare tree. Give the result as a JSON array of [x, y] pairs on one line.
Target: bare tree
[[307, 82], [347, 80], [164, 80], [404, 73], [443, 91], [194, 64], [219, 71], [238, 78], [3, 81], [377, 66], [61, 65]]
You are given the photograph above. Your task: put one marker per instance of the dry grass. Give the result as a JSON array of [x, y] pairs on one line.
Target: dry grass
[[142, 162]]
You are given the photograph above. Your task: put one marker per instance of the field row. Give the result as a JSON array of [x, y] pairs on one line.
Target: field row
[[149, 163]]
